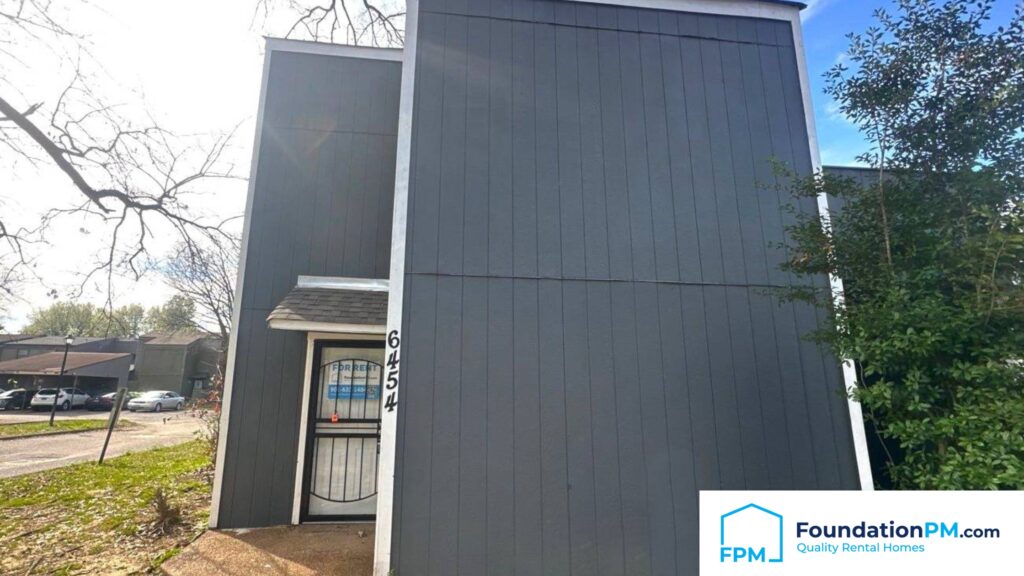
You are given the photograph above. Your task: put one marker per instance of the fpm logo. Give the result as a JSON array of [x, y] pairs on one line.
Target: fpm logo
[[754, 535]]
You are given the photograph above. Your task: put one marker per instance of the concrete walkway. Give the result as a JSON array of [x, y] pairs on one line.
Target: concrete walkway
[[307, 550], [27, 455]]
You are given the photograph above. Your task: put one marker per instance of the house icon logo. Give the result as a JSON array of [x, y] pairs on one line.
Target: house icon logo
[[751, 534]]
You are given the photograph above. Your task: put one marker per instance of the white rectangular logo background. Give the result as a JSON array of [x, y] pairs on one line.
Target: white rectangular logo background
[[837, 533]]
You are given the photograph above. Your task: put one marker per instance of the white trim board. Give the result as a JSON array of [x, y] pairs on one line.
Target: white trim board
[[860, 441], [337, 283], [389, 420], [744, 8], [300, 459], [325, 49], [325, 327], [229, 375]]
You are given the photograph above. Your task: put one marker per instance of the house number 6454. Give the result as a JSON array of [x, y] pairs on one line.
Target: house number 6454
[[391, 402]]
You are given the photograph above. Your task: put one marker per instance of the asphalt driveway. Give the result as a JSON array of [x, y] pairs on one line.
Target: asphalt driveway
[[153, 430]]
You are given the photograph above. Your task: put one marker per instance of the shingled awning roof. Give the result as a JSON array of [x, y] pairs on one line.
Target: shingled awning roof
[[305, 308], [49, 363]]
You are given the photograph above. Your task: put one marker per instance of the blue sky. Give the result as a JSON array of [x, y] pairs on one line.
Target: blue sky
[[826, 24]]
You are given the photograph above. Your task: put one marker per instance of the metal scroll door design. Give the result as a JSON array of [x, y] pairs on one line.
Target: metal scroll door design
[[345, 439]]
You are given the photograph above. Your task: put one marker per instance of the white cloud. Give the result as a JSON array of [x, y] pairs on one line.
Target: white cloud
[[814, 7], [835, 113], [839, 157]]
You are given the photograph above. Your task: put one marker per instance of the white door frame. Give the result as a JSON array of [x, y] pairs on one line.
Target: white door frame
[[307, 391]]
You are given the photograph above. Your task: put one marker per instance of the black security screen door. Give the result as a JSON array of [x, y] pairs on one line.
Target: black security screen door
[[344, 431]]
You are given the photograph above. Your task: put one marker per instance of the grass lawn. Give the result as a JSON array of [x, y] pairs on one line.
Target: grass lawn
[[100, 519], [76, 425]]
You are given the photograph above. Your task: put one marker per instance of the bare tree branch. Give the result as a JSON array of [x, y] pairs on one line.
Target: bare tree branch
[[357, 22], [133, 180], [206, 275]]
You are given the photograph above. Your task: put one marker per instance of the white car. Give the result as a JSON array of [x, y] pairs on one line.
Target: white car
[[156, 401], [69, 398]]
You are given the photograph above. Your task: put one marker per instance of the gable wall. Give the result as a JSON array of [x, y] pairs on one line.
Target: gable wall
[[587, 338], [321, 206]]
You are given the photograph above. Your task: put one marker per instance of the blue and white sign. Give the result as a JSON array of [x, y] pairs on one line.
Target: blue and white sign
[[353, 392], [808, 533]]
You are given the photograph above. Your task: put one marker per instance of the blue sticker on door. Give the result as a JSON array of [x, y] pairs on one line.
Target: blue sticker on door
[[353, 392]]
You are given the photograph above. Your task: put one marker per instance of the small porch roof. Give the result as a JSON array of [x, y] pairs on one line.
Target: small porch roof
[[331, 310]]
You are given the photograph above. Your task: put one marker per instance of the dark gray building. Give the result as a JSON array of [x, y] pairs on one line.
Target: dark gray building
[[181, 362], [529, 257], [22, 347]]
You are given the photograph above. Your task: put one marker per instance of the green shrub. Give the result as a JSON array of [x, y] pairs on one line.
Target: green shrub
[[932, 247]]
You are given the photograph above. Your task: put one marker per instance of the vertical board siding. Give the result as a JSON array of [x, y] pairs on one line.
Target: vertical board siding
[[591, 337], [525, 215], [444, 480], [653, 407], [632, 466], [553, 442], [604, 411], [472, 508], [526, 463], [500, 430], [500, 230], [322, 206], [475, 249], [580, 453], [549, 209], [453, 147]]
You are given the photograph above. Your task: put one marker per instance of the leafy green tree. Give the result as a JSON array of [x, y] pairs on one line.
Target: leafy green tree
[[177, 314], [64, 318], [932, 249], [126, 322], [87, 320]]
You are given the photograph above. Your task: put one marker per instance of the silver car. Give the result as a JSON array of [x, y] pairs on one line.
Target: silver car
[[157, 401]]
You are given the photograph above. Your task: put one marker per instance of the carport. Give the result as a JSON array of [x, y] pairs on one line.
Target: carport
[[93, 372]]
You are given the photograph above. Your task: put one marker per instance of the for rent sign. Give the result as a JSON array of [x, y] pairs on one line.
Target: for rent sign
[[837, 533]]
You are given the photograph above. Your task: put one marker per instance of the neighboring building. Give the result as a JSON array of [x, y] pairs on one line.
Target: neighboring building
[[543, 223], [24, 347], [182, 362], [94, 372], [6, 339]]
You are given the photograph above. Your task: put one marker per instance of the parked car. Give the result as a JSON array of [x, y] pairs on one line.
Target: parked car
[[69, 398], [105, 403], [157, 401], [17, 399]]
